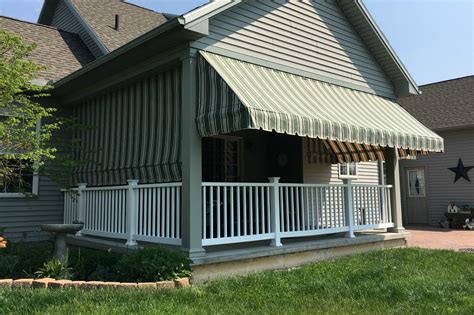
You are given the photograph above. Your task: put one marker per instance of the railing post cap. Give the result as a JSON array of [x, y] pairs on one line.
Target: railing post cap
[[133, 182], [82, 185], [274, 179]]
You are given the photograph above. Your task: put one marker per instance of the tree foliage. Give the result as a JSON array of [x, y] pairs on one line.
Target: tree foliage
[[20, 111]]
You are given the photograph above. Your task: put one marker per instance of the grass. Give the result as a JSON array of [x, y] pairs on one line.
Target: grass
[[396, 281]]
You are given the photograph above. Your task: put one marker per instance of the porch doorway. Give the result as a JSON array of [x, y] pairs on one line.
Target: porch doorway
[[222, 159], [252, 156], [416, 196]]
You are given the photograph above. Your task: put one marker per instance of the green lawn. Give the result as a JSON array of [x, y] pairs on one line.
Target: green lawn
[[399, 281]]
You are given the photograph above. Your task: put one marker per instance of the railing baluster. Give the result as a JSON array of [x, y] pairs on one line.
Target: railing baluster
[[163, 211], [238, 213], [262, 209], [211, 212], [298, 208], [251, 209], [292, 205], [267, 191], [173, 211], [232, 215], [225, 212], [257, 211], [218, 206], [178, 212], [204, 212], [245, 210], [287, 210], [307, 198]]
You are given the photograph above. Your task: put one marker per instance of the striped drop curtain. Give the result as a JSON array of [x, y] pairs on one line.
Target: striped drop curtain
[[132, 132]]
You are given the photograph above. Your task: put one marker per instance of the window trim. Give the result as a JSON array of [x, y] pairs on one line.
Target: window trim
[[341, 176], [35, 186], [424, 183], [34, 189]]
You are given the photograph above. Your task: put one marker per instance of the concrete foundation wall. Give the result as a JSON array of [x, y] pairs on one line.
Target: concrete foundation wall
[[211, 271]]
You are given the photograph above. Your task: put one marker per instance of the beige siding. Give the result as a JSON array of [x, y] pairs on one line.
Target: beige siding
[[21, 217], [64, 19], [314, 37], [441, 186], [323, 173]]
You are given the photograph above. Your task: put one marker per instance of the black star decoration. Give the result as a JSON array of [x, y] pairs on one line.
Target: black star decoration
[[461, 171]]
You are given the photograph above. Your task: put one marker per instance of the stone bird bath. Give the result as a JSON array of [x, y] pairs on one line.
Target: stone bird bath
[[60, 231]]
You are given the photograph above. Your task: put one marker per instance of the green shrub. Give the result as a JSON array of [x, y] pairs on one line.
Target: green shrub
[[8, 266], [153, 264], [90, 264], [24, 259], [57, 269]]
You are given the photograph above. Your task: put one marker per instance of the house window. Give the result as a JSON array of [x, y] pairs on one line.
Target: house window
[[17, 179], [416, 183], [222, 159], [348, 170]]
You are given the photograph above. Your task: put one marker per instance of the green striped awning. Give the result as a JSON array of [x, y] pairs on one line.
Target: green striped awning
[[131, 132], [236, 95]]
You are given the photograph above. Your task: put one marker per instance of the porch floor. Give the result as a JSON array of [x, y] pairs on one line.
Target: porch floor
[[219, 254], [256, 250]]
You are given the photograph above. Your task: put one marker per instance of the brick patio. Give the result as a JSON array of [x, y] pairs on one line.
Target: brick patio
[[437, 238]]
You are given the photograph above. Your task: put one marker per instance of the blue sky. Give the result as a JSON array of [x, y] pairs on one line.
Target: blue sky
[[433, 38]]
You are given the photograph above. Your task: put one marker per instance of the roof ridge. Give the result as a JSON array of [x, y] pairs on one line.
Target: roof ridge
[[36, 24], [449, 80]]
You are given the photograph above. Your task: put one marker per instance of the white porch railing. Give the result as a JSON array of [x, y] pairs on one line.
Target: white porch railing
[[232, 212], [236, 212], [150, 213]]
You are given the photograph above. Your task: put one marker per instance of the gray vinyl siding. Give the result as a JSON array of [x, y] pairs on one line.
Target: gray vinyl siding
[[325, 173], [64, 19], [310, 37], [441, 189], [22, 217]]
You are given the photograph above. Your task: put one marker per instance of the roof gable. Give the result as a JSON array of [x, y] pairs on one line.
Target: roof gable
[[60, 52], [362, 22], [134, 20], [99, 18], [311, 39]]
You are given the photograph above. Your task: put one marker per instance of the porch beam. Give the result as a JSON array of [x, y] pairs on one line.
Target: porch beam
[[392, 160], [191, 157]]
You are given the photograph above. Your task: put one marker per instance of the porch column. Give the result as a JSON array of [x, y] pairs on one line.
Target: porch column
[[392, 159], [191, 161]]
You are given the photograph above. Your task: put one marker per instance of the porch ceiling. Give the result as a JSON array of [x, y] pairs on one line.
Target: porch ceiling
[[236, 95]]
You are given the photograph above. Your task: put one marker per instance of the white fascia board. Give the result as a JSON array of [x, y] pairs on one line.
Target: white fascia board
[[207, 11]]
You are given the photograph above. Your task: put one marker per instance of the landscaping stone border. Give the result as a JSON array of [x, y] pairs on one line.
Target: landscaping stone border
[[67, 284]]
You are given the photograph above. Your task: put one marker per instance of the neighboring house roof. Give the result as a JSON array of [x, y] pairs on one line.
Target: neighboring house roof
[[134, 21], [60, 52], [443, 105]]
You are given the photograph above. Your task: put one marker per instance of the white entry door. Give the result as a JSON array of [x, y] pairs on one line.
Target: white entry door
[[417, 201]]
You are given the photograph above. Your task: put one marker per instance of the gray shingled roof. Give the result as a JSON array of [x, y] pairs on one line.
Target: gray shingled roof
[[443, 105], [61, 52], [134, 20]]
